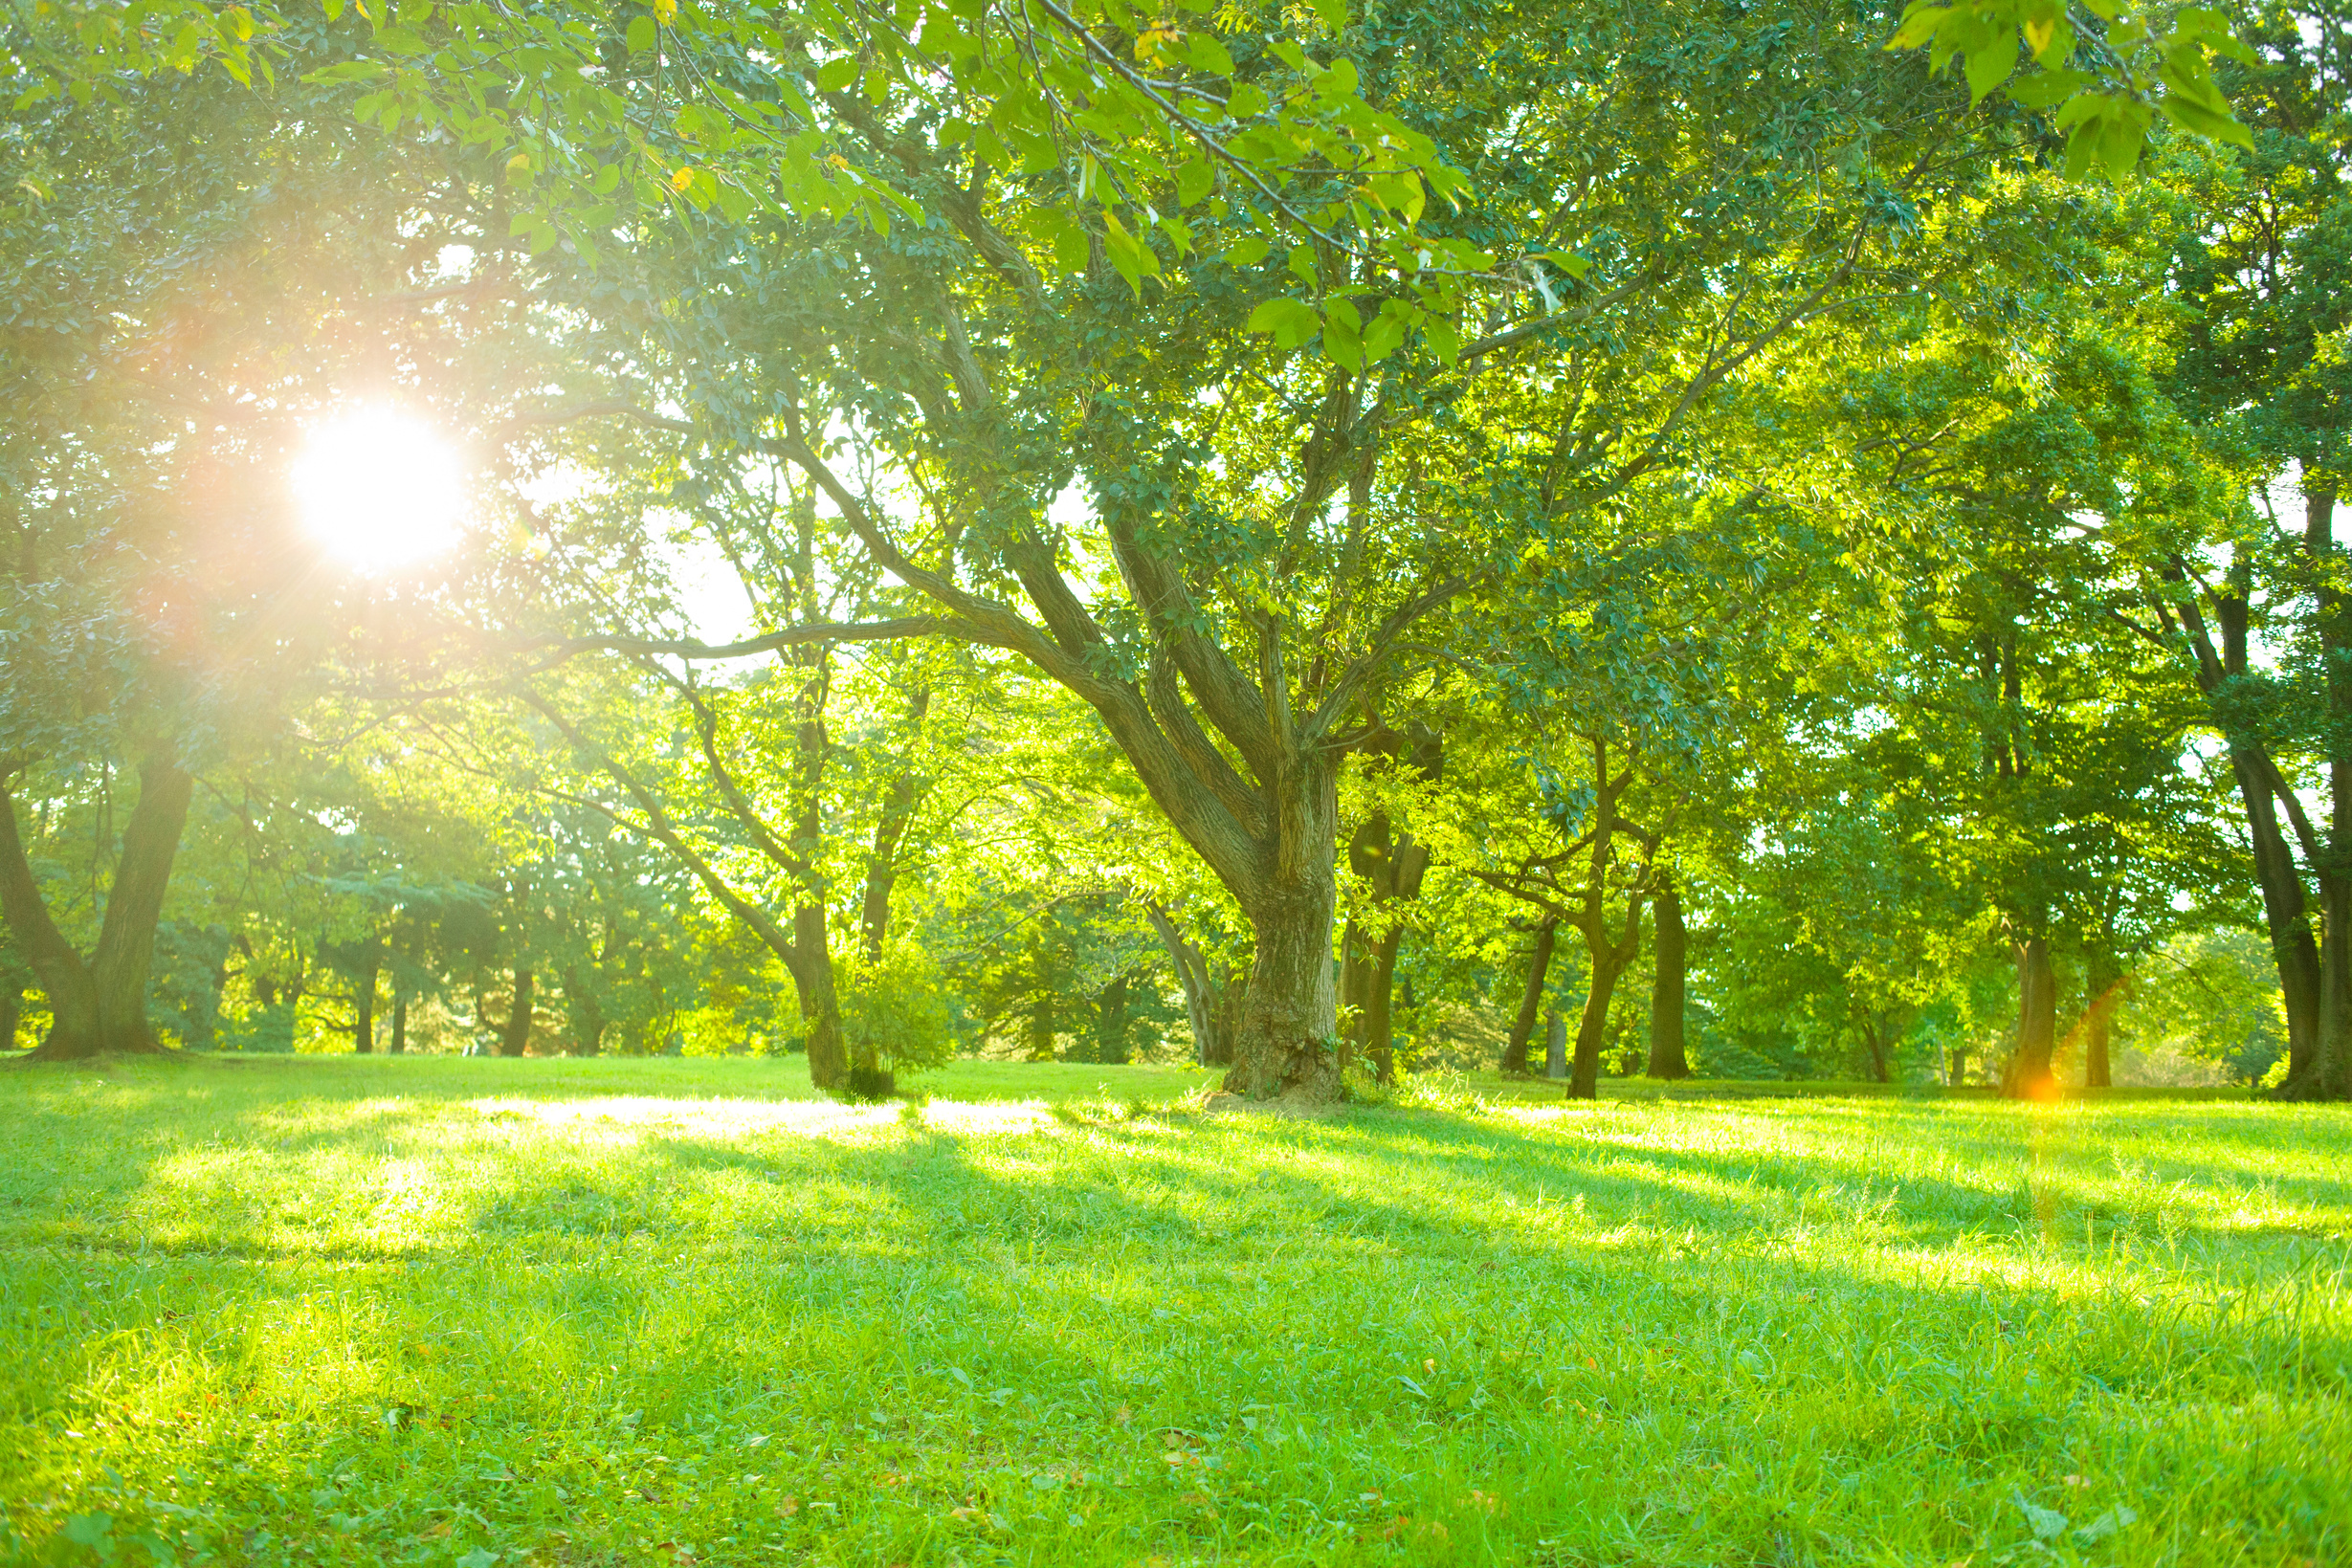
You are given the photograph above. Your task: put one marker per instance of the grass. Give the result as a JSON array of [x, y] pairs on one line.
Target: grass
[[467, 1312]]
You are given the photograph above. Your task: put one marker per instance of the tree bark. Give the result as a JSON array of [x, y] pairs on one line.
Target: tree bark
[[1531, 997], [400, 1022], [1876, 1046], [820, 1003], [1669, 1057], [1584, 1077], [515, 1034], [1957, 1075], [1111, 1047], [101, 1004], [1287, 1045], [12, 1012], [2029, 1076], [1555, 1046]]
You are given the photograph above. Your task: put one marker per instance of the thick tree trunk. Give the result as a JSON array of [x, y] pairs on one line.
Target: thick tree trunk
[[1584, 1077], [400, 1022], [12, 1012], [1957, 1075], [1555, 1046], [1531, 997], [515, 1034], [1669, 1057], [583, 1015], [2029, 1076], [102, 1005], [1287, 1046]]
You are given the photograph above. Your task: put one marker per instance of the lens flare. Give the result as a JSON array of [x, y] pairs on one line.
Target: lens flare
[[380, 489]]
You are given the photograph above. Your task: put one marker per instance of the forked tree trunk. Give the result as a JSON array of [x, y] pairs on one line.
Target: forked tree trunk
[[515, 1034], [101, 1004], [1669, 1055], [1531, 998], [2029, 1076]]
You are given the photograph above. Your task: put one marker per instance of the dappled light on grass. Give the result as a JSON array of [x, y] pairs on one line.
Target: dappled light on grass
[[526, 1313]]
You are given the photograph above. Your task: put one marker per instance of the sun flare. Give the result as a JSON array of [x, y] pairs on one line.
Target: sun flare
[[380, 489]]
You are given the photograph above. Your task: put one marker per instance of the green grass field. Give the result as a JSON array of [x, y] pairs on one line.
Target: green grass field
[[473, 1313]]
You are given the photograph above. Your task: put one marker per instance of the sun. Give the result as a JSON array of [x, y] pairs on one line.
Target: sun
[[380, 489]]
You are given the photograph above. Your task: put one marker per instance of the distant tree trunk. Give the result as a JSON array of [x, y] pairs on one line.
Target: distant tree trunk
[[1876, 1044], [515, 1034], [1555, 1046], [101, 1004], [400, 1022], [582, 1014], [1531, 999], [1111, 1046], [2103, 979], [2030, 1074], [1039, 1027], [1668, 1056], [363, 1003], [1584, 1078], [1957, 1074], [1378, 1034]]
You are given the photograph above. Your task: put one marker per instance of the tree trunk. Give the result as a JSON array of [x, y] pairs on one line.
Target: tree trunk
[[582, 1014], [1531, 999], [400, 1022], [1872, 1039], [1957, 1074], [101, 1004], [820, 1005], [1584, 1078], [1111, 1022], [1555, 1046], [515, 1033], [2030, 1074], [1286, 1047], [2103, 979], [363, 1006], [12, 1012], [1669, 1057], [1355, 992], [1379, 1040]]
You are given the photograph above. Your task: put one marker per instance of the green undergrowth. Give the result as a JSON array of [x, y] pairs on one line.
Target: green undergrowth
[[478, 1313]]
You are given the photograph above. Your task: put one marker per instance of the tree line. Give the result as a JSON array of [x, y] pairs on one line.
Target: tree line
[[1708, 520]]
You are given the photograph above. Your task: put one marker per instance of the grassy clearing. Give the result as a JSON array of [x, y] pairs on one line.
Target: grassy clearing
[[462, 1312]]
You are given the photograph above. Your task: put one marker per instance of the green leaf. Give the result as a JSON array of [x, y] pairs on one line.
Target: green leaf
[[642, 34], [1333, 14], [1248, 251], [1195, 180], [1989, 67], [1292, 321], [835, 75], [1208, 53], [2046, 89], [1920, 25]]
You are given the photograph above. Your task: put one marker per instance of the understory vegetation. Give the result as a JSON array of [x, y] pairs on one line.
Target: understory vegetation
[[434, 1312]]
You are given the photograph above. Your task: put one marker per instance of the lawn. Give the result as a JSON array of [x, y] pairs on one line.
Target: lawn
[[473, 1313]]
